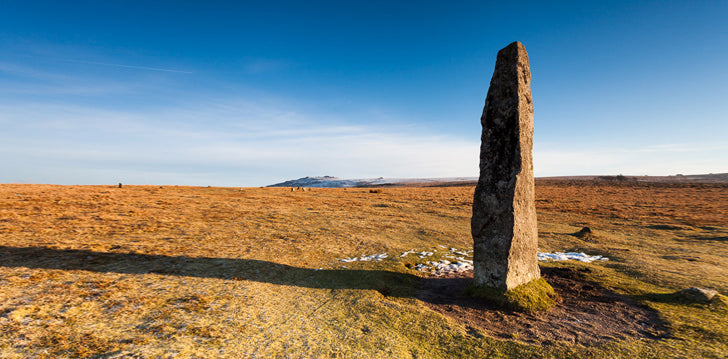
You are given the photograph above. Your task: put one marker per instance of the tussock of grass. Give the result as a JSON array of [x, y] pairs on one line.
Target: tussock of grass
[[534, 296], [720, 303]]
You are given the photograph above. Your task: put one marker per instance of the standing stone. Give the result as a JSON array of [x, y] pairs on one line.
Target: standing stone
[[505, 237]]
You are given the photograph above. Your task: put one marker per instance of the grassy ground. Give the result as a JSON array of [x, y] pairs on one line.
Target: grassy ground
[[149, 271]]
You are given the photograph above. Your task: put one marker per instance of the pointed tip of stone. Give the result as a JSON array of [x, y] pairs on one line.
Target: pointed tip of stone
[[516, 44], [515, 51]]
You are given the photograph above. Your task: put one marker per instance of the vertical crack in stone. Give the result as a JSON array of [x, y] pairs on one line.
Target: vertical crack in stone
[[505, 236]]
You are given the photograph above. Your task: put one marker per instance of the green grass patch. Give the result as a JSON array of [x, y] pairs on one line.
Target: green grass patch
[[534, 296]]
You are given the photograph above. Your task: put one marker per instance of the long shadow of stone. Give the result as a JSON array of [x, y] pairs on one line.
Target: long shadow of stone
[[442, 294], [387, 282]]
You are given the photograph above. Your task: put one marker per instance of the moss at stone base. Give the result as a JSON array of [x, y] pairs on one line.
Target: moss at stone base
[[536, 295]]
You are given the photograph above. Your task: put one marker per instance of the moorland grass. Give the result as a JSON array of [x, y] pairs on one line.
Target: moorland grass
[[149, 271], [534, 296]]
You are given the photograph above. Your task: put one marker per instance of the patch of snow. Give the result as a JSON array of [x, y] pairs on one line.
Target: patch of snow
[[442, 267], [411, 251], [422, 267], [464, 260], [376, 257], [561, 256], [460, 252]]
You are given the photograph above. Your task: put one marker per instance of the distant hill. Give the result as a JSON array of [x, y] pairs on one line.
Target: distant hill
[[335, 182], [678, 178]]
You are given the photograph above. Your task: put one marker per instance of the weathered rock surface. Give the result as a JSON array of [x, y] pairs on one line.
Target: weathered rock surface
[[698, 295], [505, 237]]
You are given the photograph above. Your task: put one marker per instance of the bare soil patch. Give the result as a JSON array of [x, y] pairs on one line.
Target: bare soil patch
[[588, 314]]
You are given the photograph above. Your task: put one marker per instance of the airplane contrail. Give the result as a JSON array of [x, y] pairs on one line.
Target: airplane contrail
[[126, 66], [148, 68]]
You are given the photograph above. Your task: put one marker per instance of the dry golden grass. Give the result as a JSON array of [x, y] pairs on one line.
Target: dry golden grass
[[231, 223], [674, 235], [149, 271]]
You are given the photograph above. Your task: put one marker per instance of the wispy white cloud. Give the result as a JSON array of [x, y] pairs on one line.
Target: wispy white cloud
[[684, 147], [640, 159], [234, 145], [207, 139], [55, 53], [56, 72], [21, 79], [21, 70], [245, 142]]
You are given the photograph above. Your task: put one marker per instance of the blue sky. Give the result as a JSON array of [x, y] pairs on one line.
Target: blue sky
[[252, 93]]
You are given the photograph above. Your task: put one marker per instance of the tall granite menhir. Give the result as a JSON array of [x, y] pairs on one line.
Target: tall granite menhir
[[505, 237]]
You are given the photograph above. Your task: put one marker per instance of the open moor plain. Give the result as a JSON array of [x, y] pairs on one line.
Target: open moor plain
[[162, 271]]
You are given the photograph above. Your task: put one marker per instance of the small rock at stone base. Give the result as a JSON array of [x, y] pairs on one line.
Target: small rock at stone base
[[698, 295], [584, 233]]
